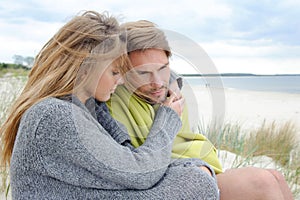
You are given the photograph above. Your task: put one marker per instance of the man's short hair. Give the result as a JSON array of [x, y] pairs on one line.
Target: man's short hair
[[143, 34]]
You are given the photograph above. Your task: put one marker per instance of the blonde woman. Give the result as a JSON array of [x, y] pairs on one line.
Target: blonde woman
[[61, 143]]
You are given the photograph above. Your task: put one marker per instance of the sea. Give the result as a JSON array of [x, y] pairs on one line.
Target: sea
[[267, 83]]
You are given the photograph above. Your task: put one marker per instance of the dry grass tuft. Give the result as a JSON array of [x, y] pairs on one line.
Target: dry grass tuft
[[10, 87], [274, 140]]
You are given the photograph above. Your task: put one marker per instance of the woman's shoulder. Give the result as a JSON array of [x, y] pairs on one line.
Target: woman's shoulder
[[53, 108], [49, 104], [48, 108], [47, 111]]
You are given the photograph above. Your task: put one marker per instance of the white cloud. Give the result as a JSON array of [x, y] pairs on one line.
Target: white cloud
[[257, 65], [232, 33], [25, 38], [260, 57], [262, 48], [242, 65], [263, 57]]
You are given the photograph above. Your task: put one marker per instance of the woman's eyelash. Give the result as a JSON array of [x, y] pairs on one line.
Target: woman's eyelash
[[114, 73]]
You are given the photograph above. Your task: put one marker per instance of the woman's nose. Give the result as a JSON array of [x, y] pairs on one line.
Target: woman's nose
[[120, 80]]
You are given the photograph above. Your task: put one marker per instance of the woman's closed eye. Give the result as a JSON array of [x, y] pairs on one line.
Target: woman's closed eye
[[115, 72]]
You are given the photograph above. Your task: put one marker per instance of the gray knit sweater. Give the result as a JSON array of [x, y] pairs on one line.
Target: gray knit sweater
[[62, 152]]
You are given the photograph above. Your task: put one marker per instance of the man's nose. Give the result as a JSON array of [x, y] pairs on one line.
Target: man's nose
[[156, 79]]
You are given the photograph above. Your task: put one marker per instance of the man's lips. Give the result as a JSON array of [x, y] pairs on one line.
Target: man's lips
[[157, 92]]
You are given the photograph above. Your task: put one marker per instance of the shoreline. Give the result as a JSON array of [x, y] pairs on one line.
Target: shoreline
[[250, 109]]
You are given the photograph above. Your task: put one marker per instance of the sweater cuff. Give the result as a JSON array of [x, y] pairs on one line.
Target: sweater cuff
[[166, 117], [192, 162]]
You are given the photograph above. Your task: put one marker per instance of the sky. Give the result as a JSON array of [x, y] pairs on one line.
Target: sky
[[260, 37]]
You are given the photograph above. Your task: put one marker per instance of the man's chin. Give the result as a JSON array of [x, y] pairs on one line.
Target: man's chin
[[156, 99], [152, 100]]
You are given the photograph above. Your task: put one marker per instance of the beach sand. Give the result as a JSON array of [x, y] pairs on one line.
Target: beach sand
[[247, 108]]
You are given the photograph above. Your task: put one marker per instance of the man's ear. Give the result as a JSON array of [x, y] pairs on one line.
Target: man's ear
[[174, 87], [179, 82], [174, 77]]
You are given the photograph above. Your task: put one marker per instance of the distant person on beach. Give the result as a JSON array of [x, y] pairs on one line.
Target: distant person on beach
[[61, 142], [148, 83]]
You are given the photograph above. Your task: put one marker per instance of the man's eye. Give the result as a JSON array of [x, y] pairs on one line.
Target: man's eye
[[141, 72]]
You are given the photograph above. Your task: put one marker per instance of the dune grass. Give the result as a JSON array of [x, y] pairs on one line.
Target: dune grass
[[10, 87], [12, 72], [275, 141]]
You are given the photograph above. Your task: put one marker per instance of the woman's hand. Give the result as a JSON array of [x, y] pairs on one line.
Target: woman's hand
[[203, 168], [175, 102]]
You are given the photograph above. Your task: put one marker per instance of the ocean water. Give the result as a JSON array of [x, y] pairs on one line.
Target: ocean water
[[278, 83]]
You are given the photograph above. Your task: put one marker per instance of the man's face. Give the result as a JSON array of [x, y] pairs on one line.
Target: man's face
[[150, 74]]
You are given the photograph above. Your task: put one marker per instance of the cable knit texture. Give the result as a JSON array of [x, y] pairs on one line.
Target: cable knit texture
[[62, 152]]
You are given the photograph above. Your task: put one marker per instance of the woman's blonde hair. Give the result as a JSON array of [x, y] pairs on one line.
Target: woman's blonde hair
[[81, 43]]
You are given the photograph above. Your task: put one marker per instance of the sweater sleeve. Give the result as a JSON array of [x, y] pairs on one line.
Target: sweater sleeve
[[75, 149]]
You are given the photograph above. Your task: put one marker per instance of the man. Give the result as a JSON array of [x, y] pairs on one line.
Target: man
[[147, 84]]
